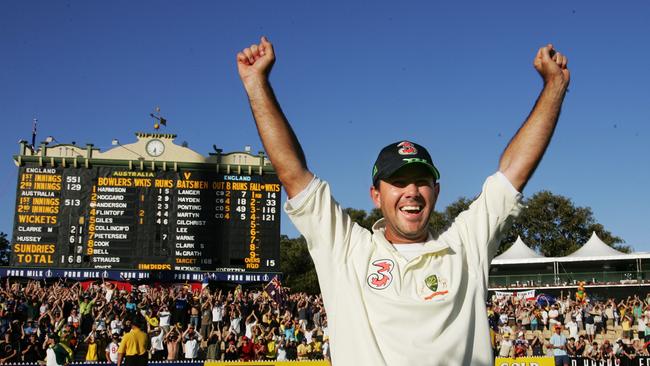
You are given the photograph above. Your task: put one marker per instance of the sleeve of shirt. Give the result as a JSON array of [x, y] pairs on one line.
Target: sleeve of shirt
[[479, 229], [122, 347], [321, 220]]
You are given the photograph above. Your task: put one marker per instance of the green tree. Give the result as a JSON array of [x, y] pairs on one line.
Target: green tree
[[5, 249], [363, 218], [441, 221], [298, 269], [554, 226]]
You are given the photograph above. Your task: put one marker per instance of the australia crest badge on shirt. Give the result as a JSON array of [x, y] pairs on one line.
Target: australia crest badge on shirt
[[434, 288]]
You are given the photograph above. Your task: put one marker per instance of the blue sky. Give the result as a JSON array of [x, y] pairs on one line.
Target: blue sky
[[455, 76]]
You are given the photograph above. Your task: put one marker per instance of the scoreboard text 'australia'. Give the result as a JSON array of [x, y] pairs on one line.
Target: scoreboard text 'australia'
[[149, 205]]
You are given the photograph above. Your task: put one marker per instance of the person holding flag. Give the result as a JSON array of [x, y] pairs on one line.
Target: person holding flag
[[274, 290]]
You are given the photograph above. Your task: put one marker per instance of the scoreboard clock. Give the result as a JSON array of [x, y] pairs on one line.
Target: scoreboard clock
[[114, 217], [155, 147]]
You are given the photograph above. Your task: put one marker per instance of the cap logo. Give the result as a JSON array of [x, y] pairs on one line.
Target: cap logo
[[406, 148], [415, 160]]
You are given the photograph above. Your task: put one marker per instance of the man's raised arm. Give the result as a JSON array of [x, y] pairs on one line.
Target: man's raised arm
[[280, 142], [525, 150]]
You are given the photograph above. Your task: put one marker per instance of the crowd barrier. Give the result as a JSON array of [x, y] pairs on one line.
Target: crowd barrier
[[267, 363], [195, 363], [499, 361], [525, 361], [192, 363], [575, 361]]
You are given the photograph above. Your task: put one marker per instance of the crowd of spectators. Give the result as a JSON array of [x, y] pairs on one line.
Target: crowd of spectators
[[66, 321], [63, 319], [597, 330]]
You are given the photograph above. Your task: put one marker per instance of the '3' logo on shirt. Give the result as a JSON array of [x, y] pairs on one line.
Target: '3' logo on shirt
[[382, 277]]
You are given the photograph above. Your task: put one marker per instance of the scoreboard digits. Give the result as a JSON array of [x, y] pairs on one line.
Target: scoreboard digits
[[114, 218]]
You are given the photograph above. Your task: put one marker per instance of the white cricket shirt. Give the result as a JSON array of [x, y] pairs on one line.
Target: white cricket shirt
[[385, 310]]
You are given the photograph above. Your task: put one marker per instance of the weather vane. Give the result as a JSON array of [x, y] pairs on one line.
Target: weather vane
[[159, 119], [34, 120]]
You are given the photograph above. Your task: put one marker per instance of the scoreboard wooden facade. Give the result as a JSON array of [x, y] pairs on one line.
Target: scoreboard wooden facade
[[137, 208]]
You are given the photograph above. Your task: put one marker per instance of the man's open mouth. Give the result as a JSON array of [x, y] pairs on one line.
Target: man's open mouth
[[411, 209]]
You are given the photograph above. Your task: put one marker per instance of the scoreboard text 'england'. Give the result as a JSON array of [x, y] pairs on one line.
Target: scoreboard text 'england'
[[150, 205]]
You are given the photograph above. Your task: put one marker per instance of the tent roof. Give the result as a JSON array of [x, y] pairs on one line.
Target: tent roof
[[593, 250], [519, 250], [595, 247]]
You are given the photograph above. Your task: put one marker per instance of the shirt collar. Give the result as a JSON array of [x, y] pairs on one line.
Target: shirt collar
[[431, 245]]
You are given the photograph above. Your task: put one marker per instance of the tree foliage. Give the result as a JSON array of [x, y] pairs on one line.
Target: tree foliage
[[5, 249], [297, 267], [441, 221], [363, 218], [554, 226], [550, 224]]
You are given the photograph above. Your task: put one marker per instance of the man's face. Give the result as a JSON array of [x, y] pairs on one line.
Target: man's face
[[406, 200]]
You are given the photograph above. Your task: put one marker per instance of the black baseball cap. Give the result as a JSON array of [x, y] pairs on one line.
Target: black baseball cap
[[399, 154]]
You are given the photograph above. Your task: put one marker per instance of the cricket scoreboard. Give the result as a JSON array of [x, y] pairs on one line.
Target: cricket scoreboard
[[145, 215]]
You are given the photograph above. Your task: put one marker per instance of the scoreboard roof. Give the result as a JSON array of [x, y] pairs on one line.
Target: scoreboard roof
[[151, 151]]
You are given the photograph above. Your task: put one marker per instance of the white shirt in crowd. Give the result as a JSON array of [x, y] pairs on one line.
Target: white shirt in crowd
[[164, 318], [573, 329], [309, 334], [234, 325], [73, 319], [282, 353], [505, 348], [112, 351], [553, 315], [116, 326], [578, 315], [109, 294], [217, 313], [249, 329], [191, 348], [50, 357], [157, 342]]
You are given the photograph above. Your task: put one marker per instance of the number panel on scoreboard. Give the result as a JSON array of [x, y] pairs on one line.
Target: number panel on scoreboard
[[104, 217]]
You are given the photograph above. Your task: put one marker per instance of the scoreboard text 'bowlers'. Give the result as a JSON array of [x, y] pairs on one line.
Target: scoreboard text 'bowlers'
[[121, 218]]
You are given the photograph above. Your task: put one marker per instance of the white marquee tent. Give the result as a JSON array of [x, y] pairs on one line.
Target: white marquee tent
[[593, 250]]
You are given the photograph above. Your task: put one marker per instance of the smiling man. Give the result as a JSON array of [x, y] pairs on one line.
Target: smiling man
[[405, 188], [397, 295]]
